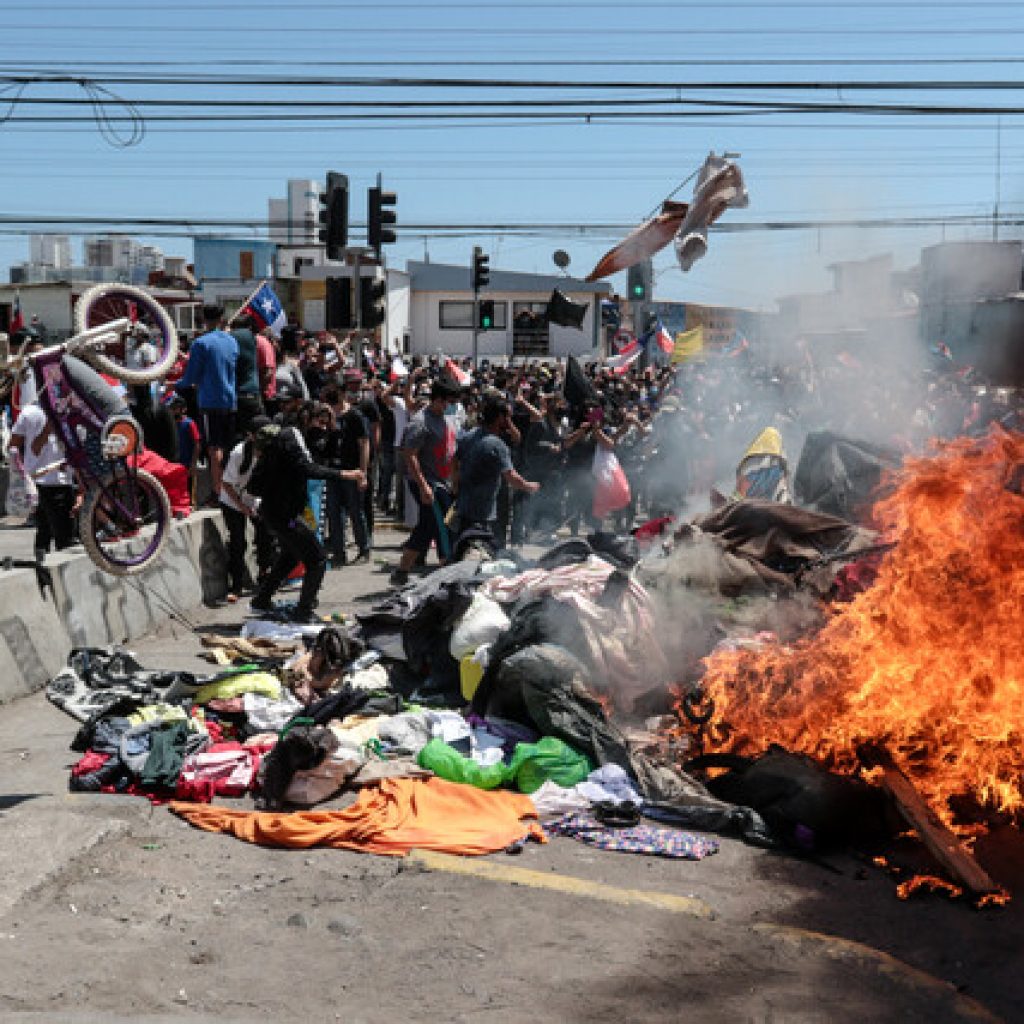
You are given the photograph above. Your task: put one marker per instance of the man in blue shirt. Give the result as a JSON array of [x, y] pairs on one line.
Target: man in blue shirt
[[212, 362]]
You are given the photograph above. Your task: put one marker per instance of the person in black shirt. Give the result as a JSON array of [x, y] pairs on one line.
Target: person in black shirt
[[280, 481], [348, 449], [386, 455], [371, 416]]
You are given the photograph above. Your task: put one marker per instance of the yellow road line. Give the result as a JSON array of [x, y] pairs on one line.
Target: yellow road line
[[965, 1007], [510, 875]]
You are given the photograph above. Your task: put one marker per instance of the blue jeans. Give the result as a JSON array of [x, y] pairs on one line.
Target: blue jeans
[[344, 502]]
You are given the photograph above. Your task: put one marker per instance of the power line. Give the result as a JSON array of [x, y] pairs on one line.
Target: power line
[[610, 61], [473, 5], [730, 31], [509, 227], [416, 83]]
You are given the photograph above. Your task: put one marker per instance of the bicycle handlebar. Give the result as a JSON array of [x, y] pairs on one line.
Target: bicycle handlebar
[[92, 336]]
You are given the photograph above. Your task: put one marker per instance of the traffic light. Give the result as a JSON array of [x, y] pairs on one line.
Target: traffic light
[[373, 297], [485, 317], [338, 304], [379, 219], [639, 276], [334, 215], [481, 268]]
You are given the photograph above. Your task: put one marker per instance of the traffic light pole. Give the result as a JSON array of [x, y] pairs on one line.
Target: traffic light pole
[[357, 311], [476, 326]]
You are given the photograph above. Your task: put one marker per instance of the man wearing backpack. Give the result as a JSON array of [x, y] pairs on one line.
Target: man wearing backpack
[[280, 479]]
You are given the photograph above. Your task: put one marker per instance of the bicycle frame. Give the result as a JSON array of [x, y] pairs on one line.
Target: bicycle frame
[[98, 436]]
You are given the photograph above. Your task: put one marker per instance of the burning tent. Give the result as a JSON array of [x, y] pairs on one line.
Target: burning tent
[[925, 665]]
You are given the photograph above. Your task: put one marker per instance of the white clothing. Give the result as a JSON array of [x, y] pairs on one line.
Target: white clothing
[[238, 479], [31, 423], [401, 415]]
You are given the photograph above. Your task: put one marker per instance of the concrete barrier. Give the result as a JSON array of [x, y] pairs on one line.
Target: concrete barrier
[[88, 607]]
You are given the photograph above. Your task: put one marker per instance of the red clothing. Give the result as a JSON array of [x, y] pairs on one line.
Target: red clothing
[[266, 359], [172, 475]]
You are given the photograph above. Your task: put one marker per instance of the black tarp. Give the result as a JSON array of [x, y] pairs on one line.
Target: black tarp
[[840, 475]]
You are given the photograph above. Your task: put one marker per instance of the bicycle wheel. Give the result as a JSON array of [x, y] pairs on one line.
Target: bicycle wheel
[[125, 521], [145, 352]]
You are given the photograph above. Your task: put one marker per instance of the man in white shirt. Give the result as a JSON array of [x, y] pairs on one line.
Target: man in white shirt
[[43, 459], [238, 507]]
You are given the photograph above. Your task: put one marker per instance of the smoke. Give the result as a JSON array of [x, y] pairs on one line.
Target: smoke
[[704, 596]]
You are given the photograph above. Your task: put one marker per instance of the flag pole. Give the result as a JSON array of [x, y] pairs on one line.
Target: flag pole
[[234, 316]]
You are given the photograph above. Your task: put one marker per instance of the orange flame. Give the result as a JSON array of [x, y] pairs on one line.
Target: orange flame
[[929, 661]]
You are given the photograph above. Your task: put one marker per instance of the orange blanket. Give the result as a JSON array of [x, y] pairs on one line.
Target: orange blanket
[[392, 818]]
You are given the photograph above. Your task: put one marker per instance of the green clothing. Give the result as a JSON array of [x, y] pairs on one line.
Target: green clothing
[[247, 378]]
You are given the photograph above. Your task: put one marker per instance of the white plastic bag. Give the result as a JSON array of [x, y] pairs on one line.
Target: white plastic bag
[[483, 622]]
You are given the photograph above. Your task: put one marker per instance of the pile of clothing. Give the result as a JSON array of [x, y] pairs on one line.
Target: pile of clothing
[[406, 747]]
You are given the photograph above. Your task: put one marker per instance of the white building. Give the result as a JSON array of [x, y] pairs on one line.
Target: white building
[[441, 314], [50, 251], [122, 254], [295, 220]]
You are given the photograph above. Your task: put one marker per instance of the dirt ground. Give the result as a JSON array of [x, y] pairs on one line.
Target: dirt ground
[[114, 910]]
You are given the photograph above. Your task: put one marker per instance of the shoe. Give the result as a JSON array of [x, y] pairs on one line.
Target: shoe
[[231, 598], [261, 608], [399, 578], [362, 558]]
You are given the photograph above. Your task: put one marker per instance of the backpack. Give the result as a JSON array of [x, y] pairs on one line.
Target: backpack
[[261, 480]]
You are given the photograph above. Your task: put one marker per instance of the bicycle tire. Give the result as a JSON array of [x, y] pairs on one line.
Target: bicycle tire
[[99, 305], [130, 565]]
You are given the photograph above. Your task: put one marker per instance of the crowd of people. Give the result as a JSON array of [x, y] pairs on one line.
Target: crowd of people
[[498, 454]]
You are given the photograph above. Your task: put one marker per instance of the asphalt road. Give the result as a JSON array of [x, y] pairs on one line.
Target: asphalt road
[[113, 910]]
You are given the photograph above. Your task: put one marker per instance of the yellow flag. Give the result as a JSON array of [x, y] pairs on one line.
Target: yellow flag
[[689, 344]]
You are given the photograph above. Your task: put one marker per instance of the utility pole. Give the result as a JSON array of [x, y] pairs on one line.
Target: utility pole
[[999, 168]]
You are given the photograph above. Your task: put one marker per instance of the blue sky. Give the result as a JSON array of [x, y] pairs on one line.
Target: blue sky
[[580, 171]]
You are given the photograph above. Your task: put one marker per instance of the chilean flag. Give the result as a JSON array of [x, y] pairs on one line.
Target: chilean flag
[[664, 339], [265, 307]]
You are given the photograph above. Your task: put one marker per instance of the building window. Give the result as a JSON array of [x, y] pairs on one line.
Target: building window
[[530, 336], [458, 316]]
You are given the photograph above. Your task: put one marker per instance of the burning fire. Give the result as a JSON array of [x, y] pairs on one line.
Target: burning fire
[[929, 661]]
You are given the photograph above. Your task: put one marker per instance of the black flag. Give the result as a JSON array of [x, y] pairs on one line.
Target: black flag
[[565, 312], [578, 389]]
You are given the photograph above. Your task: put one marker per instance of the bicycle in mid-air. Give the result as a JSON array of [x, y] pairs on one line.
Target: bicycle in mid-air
[[125, 515]]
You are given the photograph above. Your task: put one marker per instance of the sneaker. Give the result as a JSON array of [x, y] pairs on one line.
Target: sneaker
[[399, 578], [261, 608]]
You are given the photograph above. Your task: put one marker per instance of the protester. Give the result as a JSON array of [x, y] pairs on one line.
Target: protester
[[189, 439], [348, 449], [266, 367], [249, 400], [280, 481], [428, 449], [240, 508], [211, 369], [482, 463], [43, 459]]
